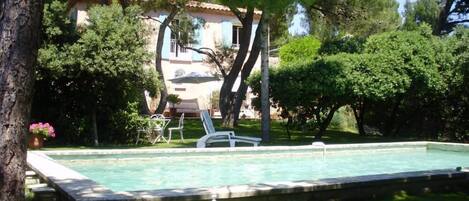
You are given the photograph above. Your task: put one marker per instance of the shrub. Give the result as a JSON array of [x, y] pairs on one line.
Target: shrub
[[299, 50]]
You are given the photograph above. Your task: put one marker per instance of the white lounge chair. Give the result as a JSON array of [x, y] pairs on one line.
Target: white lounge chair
[[221, 136]]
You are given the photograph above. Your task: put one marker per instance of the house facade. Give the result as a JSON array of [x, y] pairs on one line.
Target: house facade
[[220, 27]]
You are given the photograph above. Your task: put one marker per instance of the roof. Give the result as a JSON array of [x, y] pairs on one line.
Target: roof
[[215, 7], [193, 5]]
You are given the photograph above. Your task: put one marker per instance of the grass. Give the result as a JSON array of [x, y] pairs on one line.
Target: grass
[[193, 130]]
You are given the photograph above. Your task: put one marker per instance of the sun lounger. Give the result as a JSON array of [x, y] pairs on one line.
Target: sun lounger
[[213, 136]]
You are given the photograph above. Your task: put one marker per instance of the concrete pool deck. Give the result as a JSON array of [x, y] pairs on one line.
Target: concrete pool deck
[[71, 185]]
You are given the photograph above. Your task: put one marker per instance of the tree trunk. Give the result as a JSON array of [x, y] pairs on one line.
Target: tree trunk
[[390, 121], [158, 66], [441, 25], [325, 123], [226, 96], [265, 106], [20, 23], [94, 127], [245, 72], [144, 109], [359, 113]]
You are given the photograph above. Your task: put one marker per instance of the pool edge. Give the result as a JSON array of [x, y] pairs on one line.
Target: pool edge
[[74, 186]]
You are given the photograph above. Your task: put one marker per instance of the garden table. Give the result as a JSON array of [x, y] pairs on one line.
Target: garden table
[[161, 123], [156, 127]]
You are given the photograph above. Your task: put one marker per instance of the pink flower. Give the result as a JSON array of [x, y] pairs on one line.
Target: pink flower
[[44, 129]]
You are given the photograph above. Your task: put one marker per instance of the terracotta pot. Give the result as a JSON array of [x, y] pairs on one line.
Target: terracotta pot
[[35, 142], [172, 112]]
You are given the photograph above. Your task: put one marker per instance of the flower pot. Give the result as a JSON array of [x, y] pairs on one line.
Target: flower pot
[[172, 112], [35, 142]]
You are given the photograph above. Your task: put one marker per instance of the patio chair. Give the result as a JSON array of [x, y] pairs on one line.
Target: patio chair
[[179, 128], [213, 136]]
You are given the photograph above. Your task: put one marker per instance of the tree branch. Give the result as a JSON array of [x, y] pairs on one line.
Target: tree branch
[[236, 12], [203, 50], [458, 22], [212, 56], [151, 18]]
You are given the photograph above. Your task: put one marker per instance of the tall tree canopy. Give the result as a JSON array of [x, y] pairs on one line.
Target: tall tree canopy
[[87, 82], [359, 18], [443, 16]]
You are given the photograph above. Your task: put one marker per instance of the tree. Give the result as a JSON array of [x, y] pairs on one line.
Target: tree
[[230, 104], [174, 8], [89, 86], [240, 64], [417, 57], [19, 40], [332, 18], [312, 90], [265, 106], [443, 16]]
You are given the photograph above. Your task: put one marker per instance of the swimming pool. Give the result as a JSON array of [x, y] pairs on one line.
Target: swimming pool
[[124, 171]]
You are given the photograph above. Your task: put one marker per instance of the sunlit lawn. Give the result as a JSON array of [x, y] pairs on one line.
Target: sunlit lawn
[[193, 130]]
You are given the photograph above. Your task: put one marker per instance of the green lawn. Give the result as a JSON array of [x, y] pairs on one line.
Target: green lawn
[[193, 130]]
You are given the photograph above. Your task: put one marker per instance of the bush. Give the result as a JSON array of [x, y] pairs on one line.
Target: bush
[[299, 50], [342, 45]]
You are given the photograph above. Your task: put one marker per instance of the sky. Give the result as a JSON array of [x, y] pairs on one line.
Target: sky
[[298, 26]]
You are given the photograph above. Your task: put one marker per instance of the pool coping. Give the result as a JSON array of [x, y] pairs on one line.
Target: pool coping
[[75, 186]]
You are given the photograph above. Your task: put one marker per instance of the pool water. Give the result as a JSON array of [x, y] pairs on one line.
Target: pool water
[[132, 172]]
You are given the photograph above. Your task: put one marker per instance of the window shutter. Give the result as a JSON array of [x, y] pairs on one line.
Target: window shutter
[[198, 38], [166, 39], [253, 32], [227, 31]]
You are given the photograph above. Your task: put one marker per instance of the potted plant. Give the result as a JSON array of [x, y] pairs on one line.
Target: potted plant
[[173, 99], [39, 132]]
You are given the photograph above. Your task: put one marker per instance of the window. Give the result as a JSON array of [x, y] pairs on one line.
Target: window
[[235, 35], [175, 48]]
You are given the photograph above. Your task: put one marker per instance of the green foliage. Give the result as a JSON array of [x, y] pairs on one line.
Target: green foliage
[[346, 44], [456, 101], [422, 11], [333, 18], [101, 71], [309, 91], [412, 63], [442, 16], [56, 26], [173, 99], [344, 120], [278, 27], [413, 52], [299, 50], [126, 121], [395, 69], [374, 76]]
